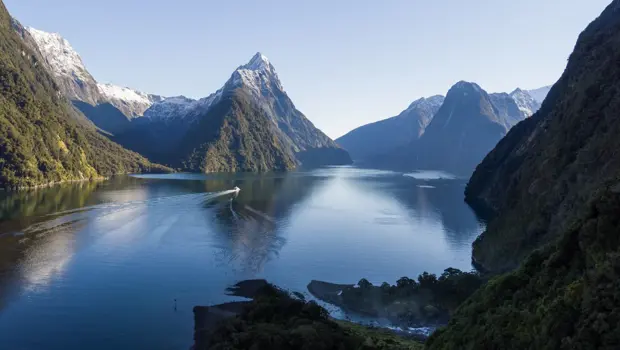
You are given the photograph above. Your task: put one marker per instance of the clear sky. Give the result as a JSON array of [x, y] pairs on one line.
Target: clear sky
[[343, 63]]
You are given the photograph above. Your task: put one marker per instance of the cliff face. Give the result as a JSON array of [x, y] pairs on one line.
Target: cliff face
[[546, 166]]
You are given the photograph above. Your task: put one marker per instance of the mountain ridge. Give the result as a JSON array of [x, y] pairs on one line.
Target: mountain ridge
[[43, 140]]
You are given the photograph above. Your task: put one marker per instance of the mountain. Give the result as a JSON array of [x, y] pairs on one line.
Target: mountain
[[552, 186], [394, 135], [514, 107], [227, 130], [464, 129], [526, 102], [386, 135], [109, 106], [42, 139], [540, 93]]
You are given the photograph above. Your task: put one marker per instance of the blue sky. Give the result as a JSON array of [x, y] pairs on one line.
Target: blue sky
[[344, 63]]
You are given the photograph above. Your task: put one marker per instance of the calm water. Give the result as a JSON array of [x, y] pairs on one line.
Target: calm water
[[98, 265]]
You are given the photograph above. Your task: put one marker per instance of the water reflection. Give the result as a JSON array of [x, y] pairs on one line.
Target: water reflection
[[431, 200], [250, 225], [82, 261]]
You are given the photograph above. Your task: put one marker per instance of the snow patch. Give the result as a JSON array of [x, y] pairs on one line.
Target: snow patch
[[123, 93], [62, 58]]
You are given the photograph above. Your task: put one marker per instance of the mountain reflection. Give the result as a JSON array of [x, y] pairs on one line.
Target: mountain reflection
[[249, 226], [438, 199]]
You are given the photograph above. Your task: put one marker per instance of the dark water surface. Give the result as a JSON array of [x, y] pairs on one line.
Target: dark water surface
[[98, 265]]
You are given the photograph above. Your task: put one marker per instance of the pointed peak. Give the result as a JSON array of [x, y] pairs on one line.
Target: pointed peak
[[517, 91], [258, 61]]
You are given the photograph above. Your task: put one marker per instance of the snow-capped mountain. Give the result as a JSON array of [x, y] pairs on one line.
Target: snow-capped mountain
[[540, 93], [515, 106], [525, 101], [258, 78], [67, 67], [248, 124], [170, 108], [79, 85], [131, 102]]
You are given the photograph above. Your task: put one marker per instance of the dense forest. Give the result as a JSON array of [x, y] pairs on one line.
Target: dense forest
[[42, 138]]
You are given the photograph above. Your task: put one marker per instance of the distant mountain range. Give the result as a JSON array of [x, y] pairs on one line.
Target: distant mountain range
[[250, 124], [451, 134]]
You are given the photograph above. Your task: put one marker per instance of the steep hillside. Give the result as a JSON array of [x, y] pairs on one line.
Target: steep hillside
[[259, 80], [235, 136], [40, 140], [565, 296], [536, 178], [553, 186], [389, 134]]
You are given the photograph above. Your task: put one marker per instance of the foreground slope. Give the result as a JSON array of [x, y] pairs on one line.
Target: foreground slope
[[565, 296], [537, 176], [40, 140]]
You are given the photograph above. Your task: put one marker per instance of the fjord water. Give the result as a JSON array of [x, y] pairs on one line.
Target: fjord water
[[99, 265]]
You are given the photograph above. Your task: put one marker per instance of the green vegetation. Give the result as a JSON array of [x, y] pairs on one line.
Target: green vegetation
[[428, 301], [565, 296], [235, 136], [537, 177], [41, 140], [275, 320]]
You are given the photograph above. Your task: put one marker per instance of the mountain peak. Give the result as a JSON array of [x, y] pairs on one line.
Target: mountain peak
[[463, 88], [258, 62], [257, 74]]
